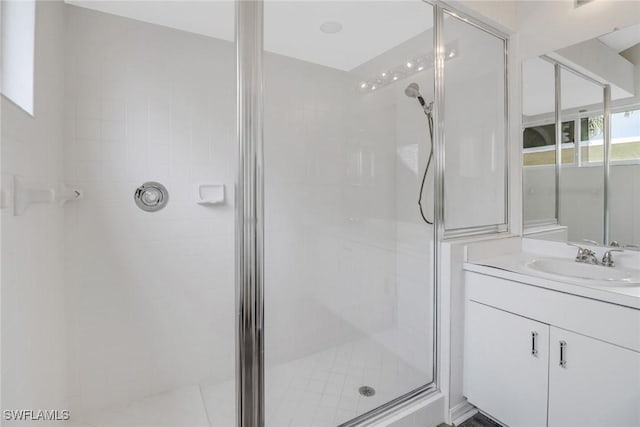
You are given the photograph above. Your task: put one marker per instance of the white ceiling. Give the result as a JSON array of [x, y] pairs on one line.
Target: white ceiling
[[622, 39], [292, 28], [538, 89], [538, 79]]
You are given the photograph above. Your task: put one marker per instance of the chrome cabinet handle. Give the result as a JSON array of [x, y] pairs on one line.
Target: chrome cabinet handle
[[534, 343], [563, 354]]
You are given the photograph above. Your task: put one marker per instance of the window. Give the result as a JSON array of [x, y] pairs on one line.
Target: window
[[540, 144], [625, 137], [539, 141], [18, 40]]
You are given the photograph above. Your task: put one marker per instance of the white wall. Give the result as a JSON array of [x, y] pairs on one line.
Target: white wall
[[502, 14], [565, 25], [151, 295], [581, 200], [34, 354], [625, 200]]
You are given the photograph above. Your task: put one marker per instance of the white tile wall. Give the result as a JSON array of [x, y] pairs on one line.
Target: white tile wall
[[151, 296], [34, 353]]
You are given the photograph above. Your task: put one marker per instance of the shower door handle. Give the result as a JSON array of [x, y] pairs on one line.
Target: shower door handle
[[534, 344]]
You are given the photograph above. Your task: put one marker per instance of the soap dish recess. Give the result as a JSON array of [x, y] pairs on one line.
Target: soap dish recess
[[210, 194]]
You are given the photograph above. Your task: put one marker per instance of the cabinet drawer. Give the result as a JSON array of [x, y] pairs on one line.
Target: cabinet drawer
[[608, 322]]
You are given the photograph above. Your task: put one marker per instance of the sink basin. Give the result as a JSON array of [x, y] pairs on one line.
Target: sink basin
[[595, 273]]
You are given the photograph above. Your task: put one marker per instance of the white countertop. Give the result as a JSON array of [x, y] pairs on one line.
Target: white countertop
[[513, 267]]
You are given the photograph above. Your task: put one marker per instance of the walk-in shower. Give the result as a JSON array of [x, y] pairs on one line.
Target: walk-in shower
[[244, 248]]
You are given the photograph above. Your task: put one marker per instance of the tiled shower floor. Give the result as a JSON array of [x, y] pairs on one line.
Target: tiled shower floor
[[317, 390]]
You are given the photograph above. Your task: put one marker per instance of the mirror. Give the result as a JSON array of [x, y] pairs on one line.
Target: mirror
[[577, 183]]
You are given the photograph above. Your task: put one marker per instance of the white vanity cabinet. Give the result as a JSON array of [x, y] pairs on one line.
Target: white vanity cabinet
[[537, 357], [592, 383], [506, 374]]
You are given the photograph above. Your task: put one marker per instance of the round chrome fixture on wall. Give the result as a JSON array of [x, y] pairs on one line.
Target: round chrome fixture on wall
[[151, 196]]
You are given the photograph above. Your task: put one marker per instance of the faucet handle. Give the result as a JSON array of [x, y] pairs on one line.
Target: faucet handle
[[582, 252], [607, 258]]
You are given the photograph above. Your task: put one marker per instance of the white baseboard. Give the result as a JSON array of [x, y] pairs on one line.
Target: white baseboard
[[462, 412]]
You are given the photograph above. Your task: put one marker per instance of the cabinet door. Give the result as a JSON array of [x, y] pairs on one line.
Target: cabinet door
[[506, 365], [592, 383]]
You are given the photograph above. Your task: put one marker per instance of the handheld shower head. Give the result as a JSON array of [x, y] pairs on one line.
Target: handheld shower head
[[413, 90]]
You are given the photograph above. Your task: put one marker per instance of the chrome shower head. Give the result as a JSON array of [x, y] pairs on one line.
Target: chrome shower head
[[413, 90]]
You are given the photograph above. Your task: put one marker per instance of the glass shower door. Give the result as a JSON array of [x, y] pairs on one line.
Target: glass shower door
[[349, 308]]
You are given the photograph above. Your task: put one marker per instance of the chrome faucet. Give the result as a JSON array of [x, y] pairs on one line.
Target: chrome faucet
[[607, 258], [588, 256], [585, 255]]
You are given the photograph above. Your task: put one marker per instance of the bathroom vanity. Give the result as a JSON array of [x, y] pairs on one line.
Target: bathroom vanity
[[553, 350]]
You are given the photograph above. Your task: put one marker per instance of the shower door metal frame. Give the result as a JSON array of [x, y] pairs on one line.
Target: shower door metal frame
[[249, 225], [558, 66], [249, 196], [445, 233]]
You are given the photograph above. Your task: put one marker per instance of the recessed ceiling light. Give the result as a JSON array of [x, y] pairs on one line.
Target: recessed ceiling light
[[420, 68], [409, 64], [363, 85], [384, 74], [331, 27]]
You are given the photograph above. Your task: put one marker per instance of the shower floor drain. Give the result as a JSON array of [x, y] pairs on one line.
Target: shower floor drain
[[367, 391]]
